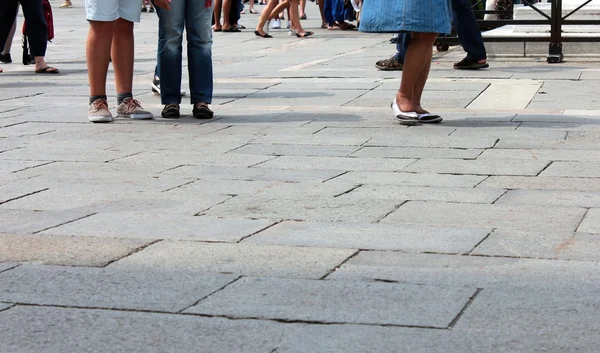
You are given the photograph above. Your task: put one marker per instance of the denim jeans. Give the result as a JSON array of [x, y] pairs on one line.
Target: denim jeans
[[466, 28], [196, 18], [334, 11]]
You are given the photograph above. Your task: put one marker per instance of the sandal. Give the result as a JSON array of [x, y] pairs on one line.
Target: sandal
[[390, 64], [306, 34], [254, 12], [470, 64], [47, 70]]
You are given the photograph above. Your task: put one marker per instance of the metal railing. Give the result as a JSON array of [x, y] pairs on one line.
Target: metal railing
[[556, 20]]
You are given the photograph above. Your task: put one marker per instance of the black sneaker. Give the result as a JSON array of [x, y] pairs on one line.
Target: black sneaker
[[171, 111], [5, 58], [155, 85], [470, 64], [203, 112]]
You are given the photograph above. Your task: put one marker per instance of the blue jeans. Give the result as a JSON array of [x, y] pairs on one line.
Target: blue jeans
[[334, 11], [466, 28], [196, 18]]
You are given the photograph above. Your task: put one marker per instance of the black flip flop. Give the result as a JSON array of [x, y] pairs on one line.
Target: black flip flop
[[263, 36], [232, 30], [306, 34], [47, 70]]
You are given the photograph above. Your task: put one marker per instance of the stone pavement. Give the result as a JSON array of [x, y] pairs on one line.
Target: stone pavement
[[302, 218]]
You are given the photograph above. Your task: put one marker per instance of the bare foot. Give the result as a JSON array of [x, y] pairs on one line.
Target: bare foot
[[404, 103], [217, 27]]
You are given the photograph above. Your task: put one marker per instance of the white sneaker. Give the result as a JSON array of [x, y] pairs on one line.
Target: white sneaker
[[289, 24], [98, 112], [131, 108], [276, 24]]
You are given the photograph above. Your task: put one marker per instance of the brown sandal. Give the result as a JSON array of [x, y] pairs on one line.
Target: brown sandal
[[390, 64]]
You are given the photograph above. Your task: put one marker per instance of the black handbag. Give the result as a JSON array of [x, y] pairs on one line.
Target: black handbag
[[27, 58]]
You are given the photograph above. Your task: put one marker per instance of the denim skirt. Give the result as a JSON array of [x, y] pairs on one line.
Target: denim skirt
[[429, 16]]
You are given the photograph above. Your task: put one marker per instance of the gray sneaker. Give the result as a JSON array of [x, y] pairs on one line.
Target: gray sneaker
[[131, 108], [98, 112]]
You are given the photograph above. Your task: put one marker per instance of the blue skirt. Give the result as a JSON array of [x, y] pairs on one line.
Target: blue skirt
[[429, 16]]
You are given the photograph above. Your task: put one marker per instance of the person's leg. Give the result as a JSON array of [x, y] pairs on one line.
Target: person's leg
[[37, 32], [170, 37], [218, 6], [417, 59], [337, 11], [265, 15], [227, 4], [8, 8], [302, 9], [328, 11], [322, 12], [9, 39], [283, 4], [199, 52], [295, 18], [402, 46], [468, 30]]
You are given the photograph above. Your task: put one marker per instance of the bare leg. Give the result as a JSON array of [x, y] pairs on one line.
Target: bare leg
[[98, 54], [265, 16], [122, 55], [302, 8], [411, 87], [295, 17], [217, 15], [322, 11], [282, 6], [226, 10], [421, 80]]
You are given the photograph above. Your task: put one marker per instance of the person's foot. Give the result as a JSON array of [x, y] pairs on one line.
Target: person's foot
[[201, 111], [390, 64], [151, 9], [5, 58], [144, 9], [217, 27], [405, 117], [470, 64], [263, 35], [98, 112], [171, 111], [304, 34], [303, 16], [66, 4], [253, 11], [132, 108]]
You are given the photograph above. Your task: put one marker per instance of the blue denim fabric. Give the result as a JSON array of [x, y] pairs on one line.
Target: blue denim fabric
[[334, 11], [428, 16], [196, 18], [466, 28]]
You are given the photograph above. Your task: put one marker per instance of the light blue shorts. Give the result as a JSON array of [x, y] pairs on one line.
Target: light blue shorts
[[112, 10]]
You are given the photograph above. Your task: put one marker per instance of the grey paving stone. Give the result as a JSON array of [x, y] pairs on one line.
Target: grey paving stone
[[223, 173], [310, 139], [300, 208], [15, 191], [332, 188], [478, 167], [407, 152], [336, 163], [550, 198], [65, 154], [15, 166], [7, 266], [542, 183], [296, 150], [411, 179], [157, 289], [414, 193], [152, 226], [372, 236], [434, 142], [221, 160], [488, 216], [545, 143], [566, 246], [573, 169], [469, 271], [4, 306], [591, 222], [65, 250], [26, 221], [58, 330], [240, 259], [337, 302], [545, 155]]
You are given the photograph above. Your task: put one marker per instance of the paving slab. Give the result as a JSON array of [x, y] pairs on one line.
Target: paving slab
[[16, 166], [336, 163], [115, 288], [565, 246], [295, 150], [239, 259], [433, 142], [412, 179], [300, 208], [542, 183], [591, 222], [470, 271], [224, 173], [66, 250], [550, 198], [410, 238], [63, 330], [7, 266], [478, 167], [488, 216], [544, 155], [337, 302], [425, 153], [29, 221], [152, 226], [573, 169]]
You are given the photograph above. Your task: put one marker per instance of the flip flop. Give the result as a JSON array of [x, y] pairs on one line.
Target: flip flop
[[405, 118], [306, 34], [47, 70]]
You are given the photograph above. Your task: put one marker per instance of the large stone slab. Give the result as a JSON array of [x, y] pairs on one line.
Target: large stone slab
[[542, 183], [295, 150], [223, 173], [197, 158], [566, 246], [410, 152], [372, 236], [150, 226], [58, 330], [337, 302], [336, 163], [240, 259], [64, 154], [550, 198], [66, 250], [469, 271], [15, 191], [544, 155], [535, 218], [429, 141], [309, 209], [573, 169], [29, 221], [413, 193], [412, 179], [591, 222], [7, 266], [478, 167], [12, 166], [157, 289]]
